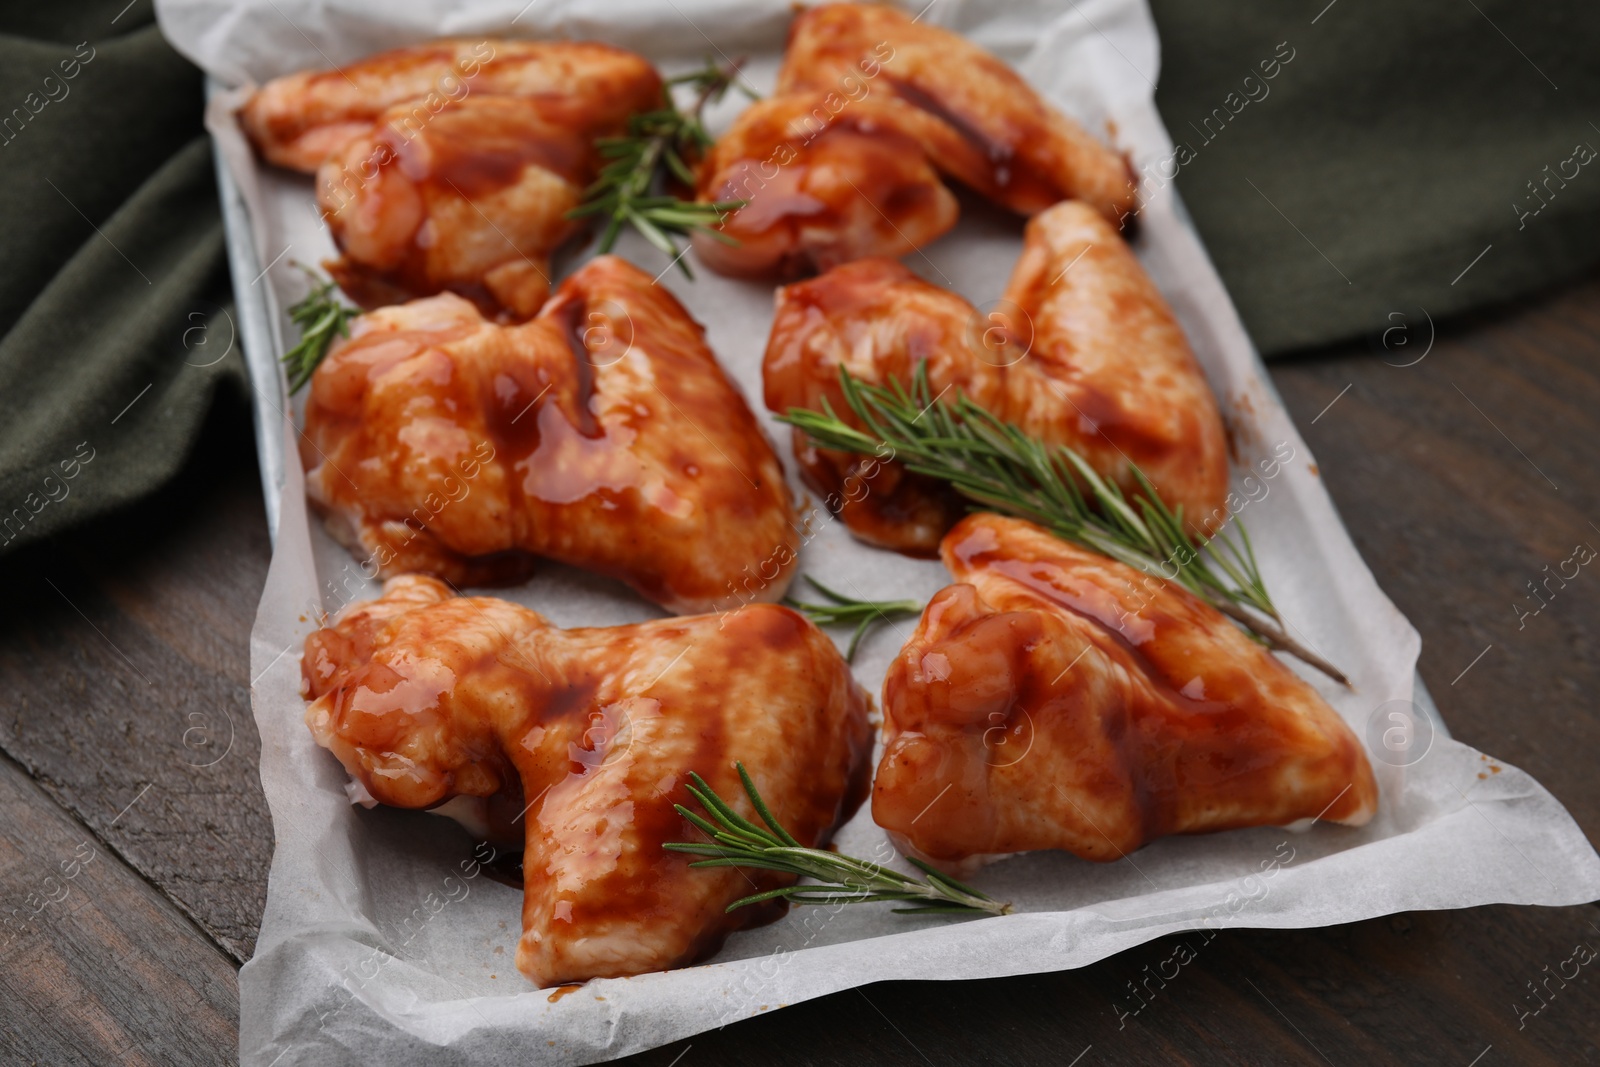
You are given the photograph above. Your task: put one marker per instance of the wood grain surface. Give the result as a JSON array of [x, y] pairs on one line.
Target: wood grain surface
[[98, 966], [124, 669], [123, 672]]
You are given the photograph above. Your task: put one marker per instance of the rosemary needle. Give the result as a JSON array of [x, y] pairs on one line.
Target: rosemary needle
[[844, 609], [1000, 468], [322, 318], [658, 149], [738, 842]]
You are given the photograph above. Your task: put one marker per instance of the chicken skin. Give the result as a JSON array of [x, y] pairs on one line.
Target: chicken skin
[[1056, 699], [872, 109], [1082, 351], [452, 166], [593, 732], [602, 434]]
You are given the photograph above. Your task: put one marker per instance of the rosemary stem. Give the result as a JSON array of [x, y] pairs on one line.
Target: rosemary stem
[[658, 147], [1278, 638], [839, 879], [999, 467], [842, 609]]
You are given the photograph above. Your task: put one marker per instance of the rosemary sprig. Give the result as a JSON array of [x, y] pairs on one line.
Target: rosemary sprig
[[841, 608], [321, 318], [658, 148], [737, 842], [999, 467]]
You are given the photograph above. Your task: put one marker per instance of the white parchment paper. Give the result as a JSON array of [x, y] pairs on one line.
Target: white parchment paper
[[383, 942]]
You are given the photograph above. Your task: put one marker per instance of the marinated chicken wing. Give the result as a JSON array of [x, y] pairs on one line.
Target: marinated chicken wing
[[822, 189], [602, 434], [1081, 351], [473, 203], [1056, 699], [299, 120], [871, 108], [593, 732], [452, 166]]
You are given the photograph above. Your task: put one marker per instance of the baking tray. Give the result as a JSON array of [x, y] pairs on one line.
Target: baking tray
[[1446, 852]]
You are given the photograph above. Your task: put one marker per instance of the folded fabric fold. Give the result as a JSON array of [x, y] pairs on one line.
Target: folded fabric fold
[[113, 279]]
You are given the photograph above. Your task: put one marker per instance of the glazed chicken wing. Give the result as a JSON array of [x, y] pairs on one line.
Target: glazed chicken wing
[[473, 203], [299, 120], [1056, 699], [1035, 155], [871, 108], [452, 166], [821, 188], [602, 434], [1081, 351], [593, 732]]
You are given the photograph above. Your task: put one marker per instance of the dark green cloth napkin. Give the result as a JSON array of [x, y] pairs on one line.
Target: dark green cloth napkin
[[1357, 187], [114, 306], [1401, 159]]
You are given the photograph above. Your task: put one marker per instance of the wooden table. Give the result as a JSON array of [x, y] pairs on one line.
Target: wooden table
[[134, 839]]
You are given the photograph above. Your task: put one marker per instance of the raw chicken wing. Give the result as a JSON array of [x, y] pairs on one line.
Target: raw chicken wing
[[473, 203], [299, 120], [1055, 699], [1082, 351], [820, 189], [602, 434], [830, 166], [452, 166], [426, 697]]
